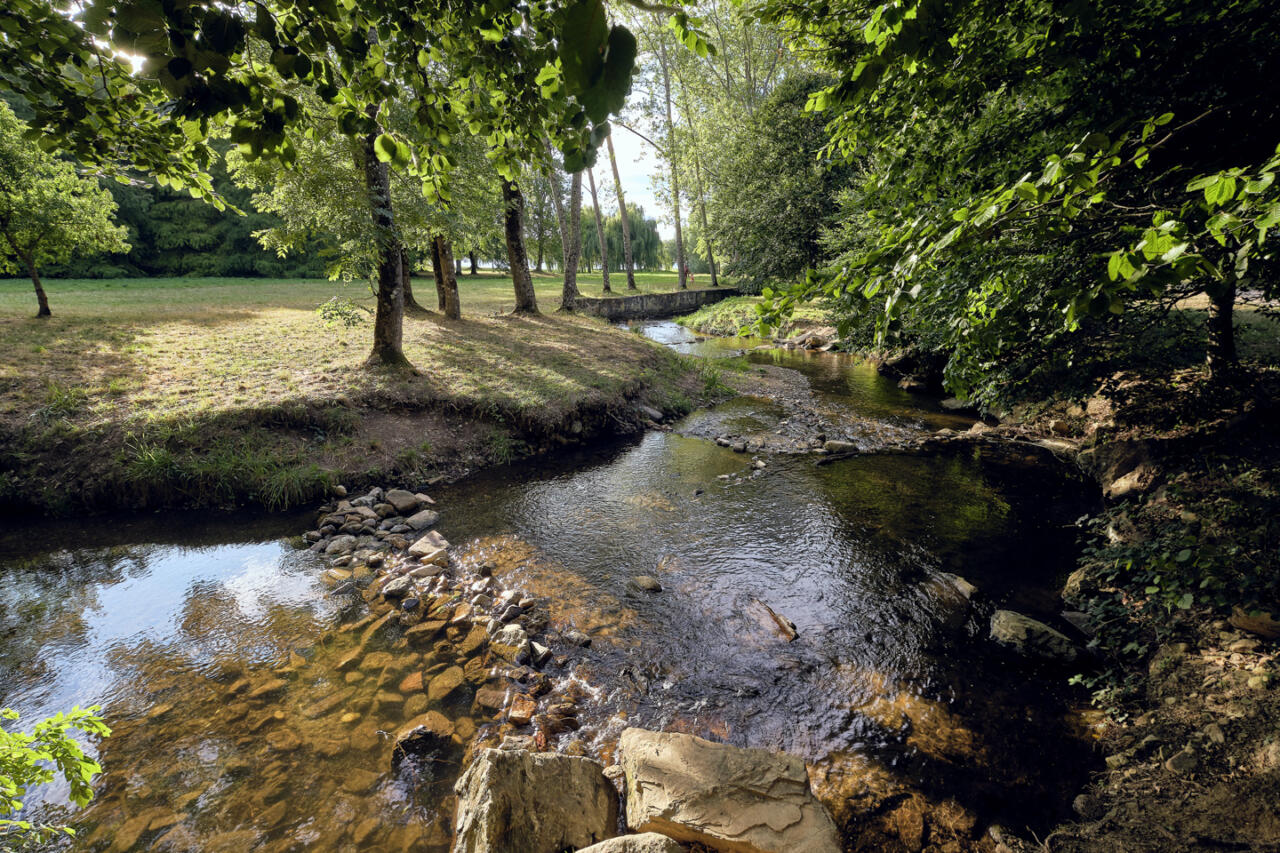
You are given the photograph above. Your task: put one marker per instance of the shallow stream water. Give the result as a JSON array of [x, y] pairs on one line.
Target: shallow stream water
[[214, 650]]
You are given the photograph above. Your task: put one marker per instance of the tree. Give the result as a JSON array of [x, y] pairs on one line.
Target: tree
[[48, 213], [27, 760], [513, 218], [573, 247], [673, 156], [628, 257], [500, 71], [600, 237], [1004, 150]]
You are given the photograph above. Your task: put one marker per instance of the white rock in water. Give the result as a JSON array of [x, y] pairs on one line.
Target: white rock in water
[[1030, 637], [423, 519], [742, 800]]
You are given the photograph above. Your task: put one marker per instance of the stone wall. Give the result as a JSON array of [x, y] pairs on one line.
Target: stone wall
[[648, 306]]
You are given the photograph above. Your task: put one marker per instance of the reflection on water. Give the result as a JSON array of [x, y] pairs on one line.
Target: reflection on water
[[245, 718]]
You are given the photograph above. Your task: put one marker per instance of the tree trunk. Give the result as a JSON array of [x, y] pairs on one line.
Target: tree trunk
[[573, 245], [1221, 354], [457, 267], [604, 250], [538, 266], [388, 320], [622, 211], [672, 154], [444, 251], [555, 195], [41, 299], [475, 267], [437, 270], [517, 256], [411, 305], [706, 230]]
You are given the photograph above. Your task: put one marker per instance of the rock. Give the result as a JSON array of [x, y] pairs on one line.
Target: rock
[[432, 548], [645, 842], [533, 803], [650, 412], [578, 638], [1087, 806], [648, 583], [1136, 482], [423, 519], [427, 734], [399, 587], [511, 644], [1181, 762], [522, 709], [834, 446], [539, 652], [1031, 638], [339, 491], [1258, 622], [731, 799], [952, 404], [339, 545], [1059, 427], [404, 502], [444, 684], [1214, 733]]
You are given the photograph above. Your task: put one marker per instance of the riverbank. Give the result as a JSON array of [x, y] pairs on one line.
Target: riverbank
[[1176, 598], [238, 393]]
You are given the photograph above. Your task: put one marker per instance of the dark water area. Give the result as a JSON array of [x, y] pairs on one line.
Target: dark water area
[[214, 649]]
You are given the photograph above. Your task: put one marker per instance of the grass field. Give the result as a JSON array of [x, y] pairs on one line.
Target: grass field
[[195, 383]]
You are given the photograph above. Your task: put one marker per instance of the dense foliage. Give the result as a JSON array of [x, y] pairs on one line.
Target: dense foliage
[[1028, 171]]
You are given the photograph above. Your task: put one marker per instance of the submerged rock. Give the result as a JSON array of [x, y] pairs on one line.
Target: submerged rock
[[747, 800], [1031, 638], [533, 802], [648, 583]]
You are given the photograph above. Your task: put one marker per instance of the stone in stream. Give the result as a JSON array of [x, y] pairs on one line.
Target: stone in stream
[[405, 503], [727, 798], [1031, 638], [399, 587], [340, 545], [533, 802], [444, 684], [511, 644], [423, 519], [645, 842], [648, 583], [835, 446]]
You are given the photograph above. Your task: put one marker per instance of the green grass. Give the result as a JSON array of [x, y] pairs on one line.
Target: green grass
[[173, 391], [728, 316]]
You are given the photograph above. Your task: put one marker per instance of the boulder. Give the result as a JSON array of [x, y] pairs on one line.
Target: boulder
[[398, 587], [404, 502], [835, 446], [648, 583], [1260, 622], [731, 799], [432, 548], [339, 545], [533, 802], [645, 842], [1136, 482], [954, 404], [1031, 638]]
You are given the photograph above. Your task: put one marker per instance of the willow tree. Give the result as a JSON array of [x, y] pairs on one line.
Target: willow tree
[[48, 212]]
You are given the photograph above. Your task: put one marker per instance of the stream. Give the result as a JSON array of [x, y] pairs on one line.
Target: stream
[[212, 644]]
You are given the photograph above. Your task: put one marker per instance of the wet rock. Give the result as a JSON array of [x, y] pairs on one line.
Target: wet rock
[[399, 587], [650, 412], [539, 652], [522, 709], [728, 798], [534, 803], [268, 687], [648, 583], [645, 842], [953, 404], [491, 698], [578, 638], [1136, 482], [511, 612], [340, 545], [836, 446], [428, 734], [444, 684], [423, 519], [1181, 762], [1031, 638], [511, 644]]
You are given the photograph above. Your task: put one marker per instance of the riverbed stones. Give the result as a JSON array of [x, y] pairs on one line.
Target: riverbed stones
[[836, 446], [339, 545], [728, 798], [398, 587], [533, 802], [1031, 638], [444, 684], [645, 842]]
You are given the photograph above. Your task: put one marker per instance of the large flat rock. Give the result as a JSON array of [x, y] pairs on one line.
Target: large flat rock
[[645, 842], [731, 799], [533, 802]]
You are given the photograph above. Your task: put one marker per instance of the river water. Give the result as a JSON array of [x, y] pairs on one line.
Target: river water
[[213, 648]]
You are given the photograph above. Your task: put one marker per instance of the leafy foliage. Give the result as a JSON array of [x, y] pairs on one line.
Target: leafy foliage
[[25, 761]]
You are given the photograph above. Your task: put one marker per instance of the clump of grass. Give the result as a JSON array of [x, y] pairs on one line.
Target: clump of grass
[[60, 401], [293, 485]]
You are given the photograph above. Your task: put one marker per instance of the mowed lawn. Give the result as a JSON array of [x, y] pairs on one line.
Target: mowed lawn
[[155, 348]]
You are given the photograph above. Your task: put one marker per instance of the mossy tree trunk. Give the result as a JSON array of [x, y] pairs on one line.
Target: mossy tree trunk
[[444, 251], [388, 320], [572, 244]]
